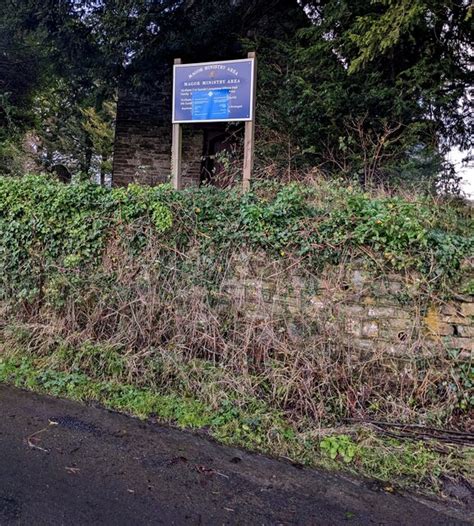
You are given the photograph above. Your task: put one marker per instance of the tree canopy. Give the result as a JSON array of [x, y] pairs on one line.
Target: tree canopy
[[374, 89]]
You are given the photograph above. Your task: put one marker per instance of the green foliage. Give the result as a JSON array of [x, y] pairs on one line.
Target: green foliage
[[462, 373], [59, 77], [350, 93], [137, 201], [77, 385], [52, 234], [370, 89], [469, 287], [322, 223], [339, 445], [97, 361], [24, 71], [11, 156], [380, 31], [466, 377], [408, 234], [75, 132], [274, 223], [415, 460], [47, 227]]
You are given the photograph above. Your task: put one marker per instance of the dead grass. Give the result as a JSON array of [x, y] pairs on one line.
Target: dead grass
[[179, 322]]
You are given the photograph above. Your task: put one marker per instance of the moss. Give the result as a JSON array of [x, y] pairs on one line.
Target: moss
[[432, 320]]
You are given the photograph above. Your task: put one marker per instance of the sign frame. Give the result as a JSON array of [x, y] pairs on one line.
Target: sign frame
[[250, 60], [249, 138], [180, 65]]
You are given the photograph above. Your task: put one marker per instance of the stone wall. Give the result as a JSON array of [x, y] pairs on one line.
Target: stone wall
[[142, 148], [387, 312]]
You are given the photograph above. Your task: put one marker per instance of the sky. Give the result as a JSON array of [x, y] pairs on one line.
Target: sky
[[466, 172]]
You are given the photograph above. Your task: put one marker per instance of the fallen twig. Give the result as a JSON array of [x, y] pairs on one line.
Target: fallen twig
[[419, 432]]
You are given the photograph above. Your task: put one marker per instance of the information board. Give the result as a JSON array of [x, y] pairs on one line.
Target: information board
[[213, 91]]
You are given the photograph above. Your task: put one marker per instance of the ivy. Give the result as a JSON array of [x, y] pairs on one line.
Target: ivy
[[45, 225], [48, 228]]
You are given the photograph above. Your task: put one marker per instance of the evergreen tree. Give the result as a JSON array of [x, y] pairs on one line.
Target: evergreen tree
[[372, 88], [378, 88]]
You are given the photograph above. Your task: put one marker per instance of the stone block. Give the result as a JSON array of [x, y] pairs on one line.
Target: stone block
[[353, 327], [353, 310], [359, 280], [445, 329], [397, 349], [370, 329], [364, 345], [465, 344], [368, 300], [317, 304], [381, 312], [399, 324], [397, 336], [467, 309], [394, 287], [388, 312], [449, 310], [456, 320], [465, 331]]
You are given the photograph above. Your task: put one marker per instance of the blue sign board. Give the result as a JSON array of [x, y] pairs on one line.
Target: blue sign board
[[213, 91]]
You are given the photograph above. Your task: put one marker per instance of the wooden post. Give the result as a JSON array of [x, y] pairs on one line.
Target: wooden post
[[249, 139], [176, 150]]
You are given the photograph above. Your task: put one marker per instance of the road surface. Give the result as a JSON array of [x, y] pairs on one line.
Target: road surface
[[63, 463]]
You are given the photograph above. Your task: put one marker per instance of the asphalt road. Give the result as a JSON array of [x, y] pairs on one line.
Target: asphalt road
[[65, 463]]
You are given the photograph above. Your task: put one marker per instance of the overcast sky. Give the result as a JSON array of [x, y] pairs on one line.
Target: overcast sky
[[466, 172]]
